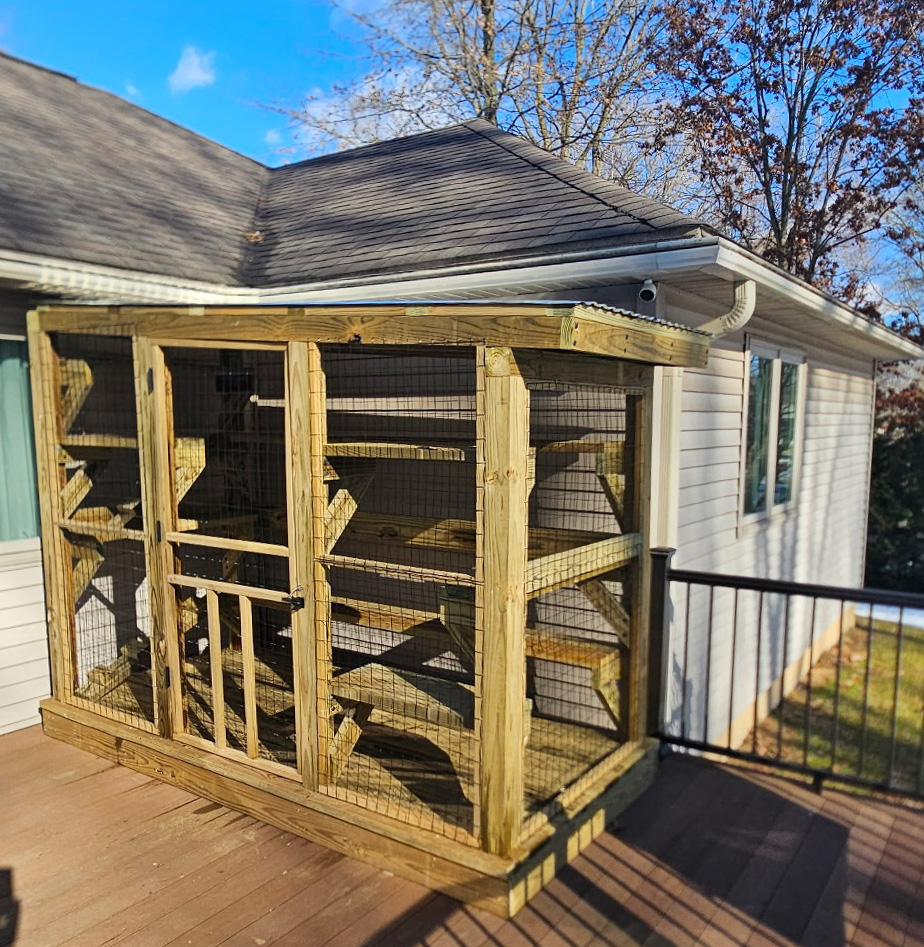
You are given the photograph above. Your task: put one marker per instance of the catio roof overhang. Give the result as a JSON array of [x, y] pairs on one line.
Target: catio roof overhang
[[587, 328]]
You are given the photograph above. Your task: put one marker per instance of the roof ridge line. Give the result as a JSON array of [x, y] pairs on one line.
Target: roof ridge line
[[596, 197]]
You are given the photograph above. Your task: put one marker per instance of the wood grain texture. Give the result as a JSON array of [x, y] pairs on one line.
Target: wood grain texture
[[249, 668], [317, 588], [217, 672], [506, 451], [301, 440], [157, 559], [516, 324], [57, 587]]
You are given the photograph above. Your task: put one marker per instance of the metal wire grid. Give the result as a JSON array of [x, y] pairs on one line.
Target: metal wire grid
[[231, 475], [101, 519], [401, 445], [229, 431], [581, 510]]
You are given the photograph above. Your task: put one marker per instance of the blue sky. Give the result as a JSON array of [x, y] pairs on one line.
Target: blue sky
[[202, 65]]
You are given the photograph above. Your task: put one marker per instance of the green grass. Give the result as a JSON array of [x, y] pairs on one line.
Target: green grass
[[858, 673]]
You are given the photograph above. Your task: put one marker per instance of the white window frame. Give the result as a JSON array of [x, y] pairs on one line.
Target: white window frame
[[777, 355]]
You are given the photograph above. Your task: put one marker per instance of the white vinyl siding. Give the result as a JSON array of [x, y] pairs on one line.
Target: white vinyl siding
[[819, 539], [24, 677]]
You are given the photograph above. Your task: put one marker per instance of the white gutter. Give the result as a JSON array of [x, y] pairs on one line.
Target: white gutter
[[107, 283], [87, 280], [636, 262]]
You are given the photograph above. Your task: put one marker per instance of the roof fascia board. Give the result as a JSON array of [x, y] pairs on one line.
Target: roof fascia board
[[733, 262]]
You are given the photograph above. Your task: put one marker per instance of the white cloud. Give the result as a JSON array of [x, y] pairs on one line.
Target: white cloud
[[272, 137], [132, 90], [195, 69]]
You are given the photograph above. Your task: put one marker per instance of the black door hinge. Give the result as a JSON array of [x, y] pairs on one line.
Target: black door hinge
[[151, 381], [167, 677]]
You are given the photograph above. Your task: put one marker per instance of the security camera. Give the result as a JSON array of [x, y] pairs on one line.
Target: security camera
[[648, 291]]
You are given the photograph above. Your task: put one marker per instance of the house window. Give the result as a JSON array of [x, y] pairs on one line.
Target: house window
[[774, 404], [19, 516]]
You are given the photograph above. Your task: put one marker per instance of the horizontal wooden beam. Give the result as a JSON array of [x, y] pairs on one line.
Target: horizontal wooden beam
[[517, 325], [559, 569], [229, 588], [233, 545], [613, 449], [577, 368], [610, 333]]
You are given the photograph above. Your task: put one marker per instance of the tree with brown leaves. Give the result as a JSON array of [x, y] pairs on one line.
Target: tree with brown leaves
[[807, 119]]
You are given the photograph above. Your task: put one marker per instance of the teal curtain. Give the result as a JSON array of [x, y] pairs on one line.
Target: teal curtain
[[19, 514], [760, 390]]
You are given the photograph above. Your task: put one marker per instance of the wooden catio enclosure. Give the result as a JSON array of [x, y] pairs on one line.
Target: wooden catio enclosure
[[376, 574]]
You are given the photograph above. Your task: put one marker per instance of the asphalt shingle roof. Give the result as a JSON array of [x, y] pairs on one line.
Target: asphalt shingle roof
[[85, 175]]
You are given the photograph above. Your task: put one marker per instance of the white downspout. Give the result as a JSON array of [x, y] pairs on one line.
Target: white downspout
[[738, 315]]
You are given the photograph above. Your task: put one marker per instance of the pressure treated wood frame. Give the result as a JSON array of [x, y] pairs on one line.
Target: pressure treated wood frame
[[515, 344]]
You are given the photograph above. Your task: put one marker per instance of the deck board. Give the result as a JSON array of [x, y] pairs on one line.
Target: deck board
[[98, 855]]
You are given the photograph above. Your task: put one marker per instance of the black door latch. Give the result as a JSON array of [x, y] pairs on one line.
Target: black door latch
[[295, 602]]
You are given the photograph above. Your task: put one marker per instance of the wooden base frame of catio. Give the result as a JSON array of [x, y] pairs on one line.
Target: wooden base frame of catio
[[376, 574]]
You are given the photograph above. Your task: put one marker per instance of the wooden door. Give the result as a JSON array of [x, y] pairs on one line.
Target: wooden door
[[223, 483]]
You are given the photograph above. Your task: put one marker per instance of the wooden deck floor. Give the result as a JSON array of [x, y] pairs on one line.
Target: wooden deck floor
[[93, 854]]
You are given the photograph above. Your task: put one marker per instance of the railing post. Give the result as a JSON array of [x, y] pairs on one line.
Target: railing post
[[659, 631]]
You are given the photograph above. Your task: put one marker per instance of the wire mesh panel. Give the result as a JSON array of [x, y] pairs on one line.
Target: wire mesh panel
[[399, 547], [230, 547], [229, 442], [583, 546], [101, 519]]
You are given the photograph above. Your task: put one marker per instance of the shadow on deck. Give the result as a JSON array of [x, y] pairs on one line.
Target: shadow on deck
[[94, 854]]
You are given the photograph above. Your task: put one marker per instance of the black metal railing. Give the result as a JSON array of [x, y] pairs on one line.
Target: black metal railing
[[816, 679]]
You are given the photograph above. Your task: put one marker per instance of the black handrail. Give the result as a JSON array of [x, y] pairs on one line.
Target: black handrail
[[821, 756], [866, 596]]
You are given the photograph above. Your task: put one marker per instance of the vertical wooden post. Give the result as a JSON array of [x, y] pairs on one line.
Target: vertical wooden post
[[504, 434], [219, 730], [58, 604], [302, 365], [155, 459], [659, 629], [638, 411], [248, 661]]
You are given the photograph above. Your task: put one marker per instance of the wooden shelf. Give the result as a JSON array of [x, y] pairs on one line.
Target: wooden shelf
[[436, 533], [397, 571], [388, 451], [559, 569], [104, 532], [107, 441]]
